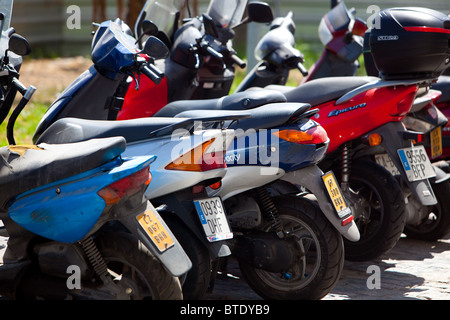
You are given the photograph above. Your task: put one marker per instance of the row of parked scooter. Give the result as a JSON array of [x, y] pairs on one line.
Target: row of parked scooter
[[290, 181]]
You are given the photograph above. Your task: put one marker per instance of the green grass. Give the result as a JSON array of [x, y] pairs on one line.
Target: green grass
[[25, 125]]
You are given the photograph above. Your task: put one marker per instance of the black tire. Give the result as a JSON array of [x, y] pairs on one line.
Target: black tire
[[325, 252], [436, 225], [196, 282], [381, 202], [139, 268]]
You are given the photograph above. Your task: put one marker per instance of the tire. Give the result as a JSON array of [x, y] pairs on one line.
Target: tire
[[436, 224], [196, 282], [324, 256], [139, 268], [381, 211]]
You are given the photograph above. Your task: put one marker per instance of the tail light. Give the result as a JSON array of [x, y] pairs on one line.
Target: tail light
[[346, 220], [404, 105], [126, 186], [199, 159], [359, 27], [375, 139], [314, 135]]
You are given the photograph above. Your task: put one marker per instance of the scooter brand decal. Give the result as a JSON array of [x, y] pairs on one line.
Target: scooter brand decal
[[387, 38], [338, 112], [232, 158]]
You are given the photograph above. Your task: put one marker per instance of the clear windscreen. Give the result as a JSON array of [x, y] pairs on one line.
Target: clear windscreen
[[5, 15], [227, 13], [163, 13], [339, 17]]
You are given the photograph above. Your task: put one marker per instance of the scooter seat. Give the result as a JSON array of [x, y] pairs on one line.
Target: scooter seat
[[322, 90], [69, 130], [237, 101], [28, 167], [268, 116]]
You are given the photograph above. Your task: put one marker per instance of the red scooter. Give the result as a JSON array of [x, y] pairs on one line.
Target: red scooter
[[374, 103]]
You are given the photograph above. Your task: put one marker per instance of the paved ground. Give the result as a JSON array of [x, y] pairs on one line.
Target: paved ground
[[412, 270]]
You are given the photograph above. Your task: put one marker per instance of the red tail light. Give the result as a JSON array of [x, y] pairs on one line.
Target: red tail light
[[126, 186], [404, 105]]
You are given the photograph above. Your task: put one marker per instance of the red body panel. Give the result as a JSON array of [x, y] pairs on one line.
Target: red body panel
[[146, 101], [363, 113]]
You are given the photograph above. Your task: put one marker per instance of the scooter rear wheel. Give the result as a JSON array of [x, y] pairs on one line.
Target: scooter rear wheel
[[138, 269], [436, 224], [317, 270], [380, 214]]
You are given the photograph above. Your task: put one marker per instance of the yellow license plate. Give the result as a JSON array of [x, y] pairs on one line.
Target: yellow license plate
[[155, 230], [335, 194], [436, 143]]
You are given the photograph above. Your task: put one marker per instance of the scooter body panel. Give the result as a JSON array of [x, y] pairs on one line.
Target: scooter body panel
[[169, 149], [66, 210], [363, 113]]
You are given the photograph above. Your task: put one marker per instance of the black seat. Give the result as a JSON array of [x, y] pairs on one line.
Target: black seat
[[322, 90], [68, 130], [265, 117], [24, 168], [237, 101]]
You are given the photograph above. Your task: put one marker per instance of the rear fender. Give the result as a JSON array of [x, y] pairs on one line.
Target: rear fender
[[393, 139], [173, 258], [310, 178]]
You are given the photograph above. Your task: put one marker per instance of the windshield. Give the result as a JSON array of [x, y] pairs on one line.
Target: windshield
[[6, 10], [227, 13], [163, 13]]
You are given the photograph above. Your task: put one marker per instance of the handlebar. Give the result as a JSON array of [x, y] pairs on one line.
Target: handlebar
[[302, 69], [27, 94], [152, 73], [214, 53], [241, 63]]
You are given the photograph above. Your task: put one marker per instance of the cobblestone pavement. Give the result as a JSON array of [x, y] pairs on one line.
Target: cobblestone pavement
[[411, 270]]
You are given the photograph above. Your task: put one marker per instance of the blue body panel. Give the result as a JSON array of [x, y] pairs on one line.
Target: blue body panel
[[112, 49], [66, 210], [263, 148]]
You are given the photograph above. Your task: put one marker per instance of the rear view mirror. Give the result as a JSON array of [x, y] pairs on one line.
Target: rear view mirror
[[155, 48], [210, 27], [259, 12], [19, 45], [149, 28]]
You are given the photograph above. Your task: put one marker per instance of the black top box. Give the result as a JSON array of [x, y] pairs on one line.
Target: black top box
[[410, 43]]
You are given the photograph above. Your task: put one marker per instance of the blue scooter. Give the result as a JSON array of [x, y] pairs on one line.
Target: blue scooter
[[77, 225]]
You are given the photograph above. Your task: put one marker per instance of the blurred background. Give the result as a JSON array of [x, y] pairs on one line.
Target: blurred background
[[60, 54], [43, 22]]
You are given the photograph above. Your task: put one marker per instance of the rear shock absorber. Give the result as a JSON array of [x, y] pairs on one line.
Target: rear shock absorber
[[95, 258], [269, 210], [346, 163]]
